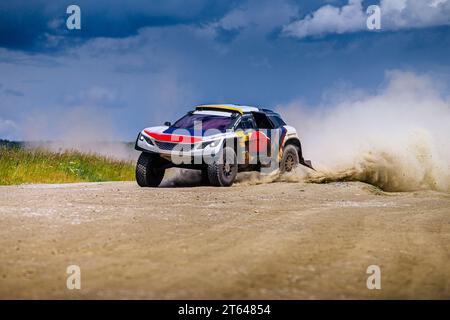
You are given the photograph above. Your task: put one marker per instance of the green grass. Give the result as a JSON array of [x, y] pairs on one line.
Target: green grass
[[19, 165]]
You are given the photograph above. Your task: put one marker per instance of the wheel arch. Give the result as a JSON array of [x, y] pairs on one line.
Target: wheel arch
[[296, 142]]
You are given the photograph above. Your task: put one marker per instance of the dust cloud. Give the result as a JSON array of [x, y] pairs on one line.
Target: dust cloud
[[176, 177], [87, 129], [397, 139]]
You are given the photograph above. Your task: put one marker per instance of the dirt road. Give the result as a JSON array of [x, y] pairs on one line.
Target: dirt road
[[276, 240]]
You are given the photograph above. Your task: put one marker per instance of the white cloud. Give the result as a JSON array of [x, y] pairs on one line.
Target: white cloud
[[329, 19], [7, 128], [261, 15], [395, 14]]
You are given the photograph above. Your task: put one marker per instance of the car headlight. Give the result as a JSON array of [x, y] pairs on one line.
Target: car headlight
[[149, 141], [212, 143]]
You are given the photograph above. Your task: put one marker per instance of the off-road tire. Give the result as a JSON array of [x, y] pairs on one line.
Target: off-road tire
[[217, 173], [147, 172], [290, 158]]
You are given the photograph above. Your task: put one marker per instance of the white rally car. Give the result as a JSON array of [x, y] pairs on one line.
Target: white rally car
[[219, 140]]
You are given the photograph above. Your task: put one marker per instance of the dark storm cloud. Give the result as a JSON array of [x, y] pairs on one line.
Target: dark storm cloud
[[39, 25]]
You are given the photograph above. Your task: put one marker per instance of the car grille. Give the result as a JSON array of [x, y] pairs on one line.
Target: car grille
[[169, 146]]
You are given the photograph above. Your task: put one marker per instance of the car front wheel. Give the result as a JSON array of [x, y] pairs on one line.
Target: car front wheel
[[148, 174]]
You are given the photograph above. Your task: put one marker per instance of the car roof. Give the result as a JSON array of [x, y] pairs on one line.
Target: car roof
[[233, 108]]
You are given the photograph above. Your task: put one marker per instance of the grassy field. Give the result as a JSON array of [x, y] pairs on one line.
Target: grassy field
[[19, 165]]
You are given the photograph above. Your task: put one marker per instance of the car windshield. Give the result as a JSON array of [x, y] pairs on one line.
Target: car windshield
[[207, 121]]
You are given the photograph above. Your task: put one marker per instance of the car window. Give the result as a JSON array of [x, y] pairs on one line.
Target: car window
[[208, 121], [246, 123], [262, 121], [277, 121]]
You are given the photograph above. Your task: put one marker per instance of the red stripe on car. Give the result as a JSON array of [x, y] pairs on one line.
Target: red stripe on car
[[173, 137]]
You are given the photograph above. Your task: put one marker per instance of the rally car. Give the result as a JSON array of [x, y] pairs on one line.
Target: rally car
[[220, 140]]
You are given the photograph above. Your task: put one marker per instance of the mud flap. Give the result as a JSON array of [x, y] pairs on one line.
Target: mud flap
[[307, 163]]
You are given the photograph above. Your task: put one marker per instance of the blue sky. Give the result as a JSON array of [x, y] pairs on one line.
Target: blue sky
[[138, 63]]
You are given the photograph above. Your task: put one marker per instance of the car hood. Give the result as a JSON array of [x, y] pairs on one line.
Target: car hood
[[164, 133]]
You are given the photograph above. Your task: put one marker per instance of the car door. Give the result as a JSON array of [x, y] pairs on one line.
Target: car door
[[245, 130], [260, 141]]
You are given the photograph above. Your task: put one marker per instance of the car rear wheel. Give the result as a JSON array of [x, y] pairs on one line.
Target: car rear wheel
[[290, 159], [148, 174], [222, 173]]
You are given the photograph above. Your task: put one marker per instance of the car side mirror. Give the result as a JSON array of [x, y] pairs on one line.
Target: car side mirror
[[167, 123]]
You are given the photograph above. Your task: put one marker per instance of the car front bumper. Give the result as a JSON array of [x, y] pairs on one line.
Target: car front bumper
[[169, 150]]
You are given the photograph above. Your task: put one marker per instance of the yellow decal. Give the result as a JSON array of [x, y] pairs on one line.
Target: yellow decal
[[220, 107]]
